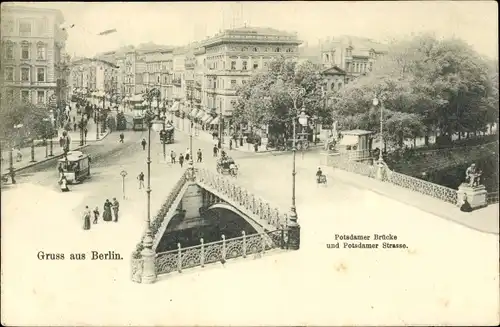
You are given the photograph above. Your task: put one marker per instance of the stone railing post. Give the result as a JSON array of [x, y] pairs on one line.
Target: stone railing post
[[244, 244], [148, 257], [179, 258], [202, 259], [223, 248]]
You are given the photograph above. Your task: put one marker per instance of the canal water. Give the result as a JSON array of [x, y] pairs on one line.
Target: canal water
[[220, 222]]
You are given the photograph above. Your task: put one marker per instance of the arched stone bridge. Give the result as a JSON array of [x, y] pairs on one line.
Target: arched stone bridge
[[198, 193]]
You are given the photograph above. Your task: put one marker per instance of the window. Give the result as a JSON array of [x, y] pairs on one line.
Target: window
[[25, 74], [25, 29], [9, 26], [255, 66], [349, 52], [25, 96], [25, 51], [255, 49], [233, 65], [40, 51], [244, 65], [9, 51], [340, 85], [288, 50], [40, 97], [332, 86], [158, 79], [10, 95], [243, 82], [9, 74], [277, 50], [233, 83]]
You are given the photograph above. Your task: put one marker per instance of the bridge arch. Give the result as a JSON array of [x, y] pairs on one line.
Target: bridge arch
[[226, 206]]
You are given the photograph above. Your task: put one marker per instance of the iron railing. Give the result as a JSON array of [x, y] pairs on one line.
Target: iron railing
[[243, 200], [219, 251]]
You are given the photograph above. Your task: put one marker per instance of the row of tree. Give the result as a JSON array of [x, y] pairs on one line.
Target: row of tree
[[34, 119], [425, 84]]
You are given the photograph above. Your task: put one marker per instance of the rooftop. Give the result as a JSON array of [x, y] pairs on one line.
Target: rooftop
[[9, 8], [360, 43]]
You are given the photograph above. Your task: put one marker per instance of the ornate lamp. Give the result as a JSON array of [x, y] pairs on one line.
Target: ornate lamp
[[303, 117]]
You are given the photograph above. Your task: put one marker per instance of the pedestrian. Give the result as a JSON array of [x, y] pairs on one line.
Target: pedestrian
[[216, 149], [61, 141], [86, 218], [96, 215], [106, 214], [141, 180], [230, 144], [74, 127], [73, 119], [186, 156], [181, 160], [116, 208], [122, 136], [172, 156], [85, 131], [256, 146], [200, 156], [214, 135], [144, 144]]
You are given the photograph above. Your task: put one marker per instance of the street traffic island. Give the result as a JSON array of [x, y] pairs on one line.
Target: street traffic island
[[208, 219]]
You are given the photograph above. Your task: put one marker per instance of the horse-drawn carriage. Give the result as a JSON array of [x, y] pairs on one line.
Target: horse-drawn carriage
[[227, 165]]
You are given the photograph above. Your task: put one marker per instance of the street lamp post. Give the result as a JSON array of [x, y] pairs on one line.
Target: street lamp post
[[293, 226], [51, 132], [97, 123], [45, 137], [380, 161], [32, 150]]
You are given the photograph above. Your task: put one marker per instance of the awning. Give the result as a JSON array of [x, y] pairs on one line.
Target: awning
[[175, 107], [193, 113], [206, 118], [200, 114], [215, 121]]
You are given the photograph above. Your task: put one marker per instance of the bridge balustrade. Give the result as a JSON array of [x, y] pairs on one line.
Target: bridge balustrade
[[220, 251]]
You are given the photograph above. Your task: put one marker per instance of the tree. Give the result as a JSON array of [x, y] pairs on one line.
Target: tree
[[265, 98], [426, 84], [30, 116]]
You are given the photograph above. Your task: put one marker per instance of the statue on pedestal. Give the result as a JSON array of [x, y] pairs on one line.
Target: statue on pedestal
[[473, 176]]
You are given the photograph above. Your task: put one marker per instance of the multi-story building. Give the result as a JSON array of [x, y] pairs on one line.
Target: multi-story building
[[231, 57], [96, 78], [178, 74], [129, 78], [346, 57], [34, 65], [159, 65], [140, 69]]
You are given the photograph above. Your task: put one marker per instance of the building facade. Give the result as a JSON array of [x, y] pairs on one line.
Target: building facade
[[34, 64], [351, 55], [95, 78], [231, 57]]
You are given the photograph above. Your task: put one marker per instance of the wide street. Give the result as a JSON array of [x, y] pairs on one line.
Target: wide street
[[38, 217]]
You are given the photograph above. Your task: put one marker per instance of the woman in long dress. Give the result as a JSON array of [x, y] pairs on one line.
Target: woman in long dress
[[86, 218], [106, 214]]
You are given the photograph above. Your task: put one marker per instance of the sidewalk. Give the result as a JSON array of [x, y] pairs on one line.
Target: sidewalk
[[207, 136], [483, 220], [42, 153]]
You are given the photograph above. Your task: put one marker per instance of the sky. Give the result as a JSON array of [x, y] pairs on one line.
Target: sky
[[178, 23]]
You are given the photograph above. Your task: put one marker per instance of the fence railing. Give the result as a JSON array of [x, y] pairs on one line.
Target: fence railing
[[242, 199], [167, 204], [418, 185], [219, 251], [346, 163]]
